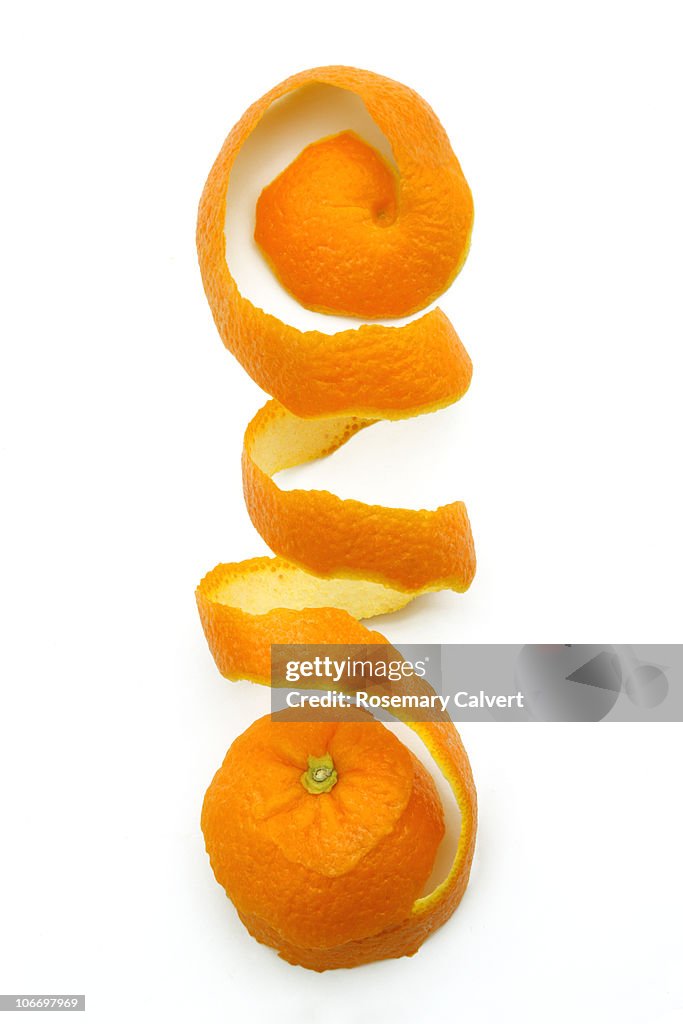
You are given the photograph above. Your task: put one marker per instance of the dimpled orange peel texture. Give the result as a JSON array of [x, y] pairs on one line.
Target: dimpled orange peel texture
[[344, 233]]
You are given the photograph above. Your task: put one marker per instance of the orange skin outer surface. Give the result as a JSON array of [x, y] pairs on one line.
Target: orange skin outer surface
[[345, 235], [411, 550], [427, 914], [240, 642], [373, 372]]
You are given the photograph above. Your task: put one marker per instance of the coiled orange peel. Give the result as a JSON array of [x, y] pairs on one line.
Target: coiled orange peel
[[344, 233]]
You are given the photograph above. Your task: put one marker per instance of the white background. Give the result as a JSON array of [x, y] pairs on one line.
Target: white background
[[122, 420]]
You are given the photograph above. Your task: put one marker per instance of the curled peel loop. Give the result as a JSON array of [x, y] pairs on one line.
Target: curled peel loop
[[383, 244]]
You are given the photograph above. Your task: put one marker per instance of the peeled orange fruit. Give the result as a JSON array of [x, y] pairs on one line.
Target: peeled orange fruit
[[346, 231], [324, 835], [321, 833]]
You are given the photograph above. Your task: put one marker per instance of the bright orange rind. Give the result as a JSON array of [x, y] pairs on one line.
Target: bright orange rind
[[361, 860], [396, 239], [345, 235], [271, 840]]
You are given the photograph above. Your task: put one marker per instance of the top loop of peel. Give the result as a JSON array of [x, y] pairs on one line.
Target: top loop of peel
[[374, 370], [345, 236]]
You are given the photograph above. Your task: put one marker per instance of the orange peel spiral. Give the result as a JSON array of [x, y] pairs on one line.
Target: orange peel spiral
[[344, 233]]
